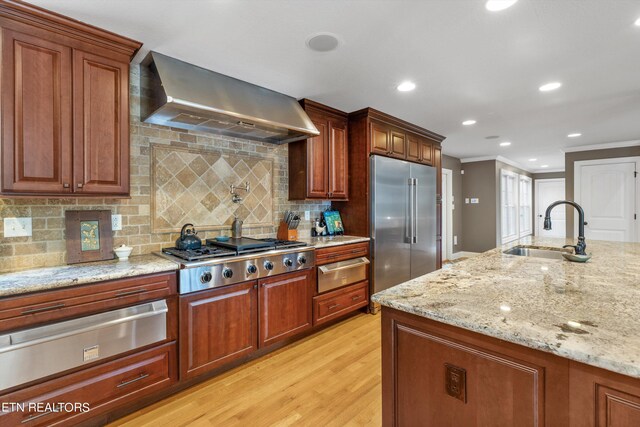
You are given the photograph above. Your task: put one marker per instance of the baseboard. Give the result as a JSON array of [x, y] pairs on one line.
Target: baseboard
[[463, 254]]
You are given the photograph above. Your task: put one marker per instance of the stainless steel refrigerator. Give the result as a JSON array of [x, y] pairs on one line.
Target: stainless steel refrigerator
[[403, 226]]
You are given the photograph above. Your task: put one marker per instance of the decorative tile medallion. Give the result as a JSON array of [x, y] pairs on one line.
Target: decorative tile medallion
[[193, 186]]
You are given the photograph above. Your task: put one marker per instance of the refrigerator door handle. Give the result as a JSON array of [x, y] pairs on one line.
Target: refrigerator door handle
[[412, 211], [409, 217], [414, 238]]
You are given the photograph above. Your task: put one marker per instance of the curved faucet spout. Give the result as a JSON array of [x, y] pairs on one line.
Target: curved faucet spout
[[581, 246]]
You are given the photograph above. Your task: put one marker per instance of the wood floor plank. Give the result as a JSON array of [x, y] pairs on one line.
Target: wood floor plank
[[331, 378]]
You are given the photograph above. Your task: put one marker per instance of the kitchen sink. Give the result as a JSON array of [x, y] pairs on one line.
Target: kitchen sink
[[536, 252]]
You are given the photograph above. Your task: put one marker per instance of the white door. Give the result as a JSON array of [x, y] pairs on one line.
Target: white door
[[606, 189], [547, 192]]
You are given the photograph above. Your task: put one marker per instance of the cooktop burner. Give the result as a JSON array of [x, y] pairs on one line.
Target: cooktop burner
[[285, 243], [233, 247], [206, 252]]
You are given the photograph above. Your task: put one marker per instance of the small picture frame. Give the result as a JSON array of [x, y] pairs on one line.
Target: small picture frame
[[334, 222], [88, 236]]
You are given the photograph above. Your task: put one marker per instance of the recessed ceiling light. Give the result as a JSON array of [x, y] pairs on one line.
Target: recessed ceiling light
[[498, 5], [637, 22], [323, 42], [549, 86], [544, 166], [505, 144], [406, 86], [574, 135], [532, 160], [469, 122]]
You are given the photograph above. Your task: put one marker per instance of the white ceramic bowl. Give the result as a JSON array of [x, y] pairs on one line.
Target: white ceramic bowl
[[123, 252]]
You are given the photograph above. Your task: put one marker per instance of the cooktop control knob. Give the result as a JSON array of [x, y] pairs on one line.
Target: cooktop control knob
[[302, 260], [288, 262], [268, 265], [252, 269], [227, 273], [206, 277]]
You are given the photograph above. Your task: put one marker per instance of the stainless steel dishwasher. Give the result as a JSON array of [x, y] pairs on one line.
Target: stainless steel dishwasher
[[342, 273], [42, 351]]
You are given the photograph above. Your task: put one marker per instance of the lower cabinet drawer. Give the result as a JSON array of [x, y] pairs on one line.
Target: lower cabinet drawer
[[341, 301], [81, 395]]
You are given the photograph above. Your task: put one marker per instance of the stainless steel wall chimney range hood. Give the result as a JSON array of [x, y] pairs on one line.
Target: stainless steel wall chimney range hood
[[177, 94]]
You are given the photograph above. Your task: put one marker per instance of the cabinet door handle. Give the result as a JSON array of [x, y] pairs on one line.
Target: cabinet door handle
[[79, 185], [40, 309], [35, 417], [133, 292], [65, 185], [331, 307], [136, 379]]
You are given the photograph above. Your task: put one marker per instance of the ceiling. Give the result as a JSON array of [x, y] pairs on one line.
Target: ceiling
[[467, 63]]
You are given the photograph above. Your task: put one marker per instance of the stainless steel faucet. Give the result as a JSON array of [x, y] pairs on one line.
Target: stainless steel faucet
[[581, 245]]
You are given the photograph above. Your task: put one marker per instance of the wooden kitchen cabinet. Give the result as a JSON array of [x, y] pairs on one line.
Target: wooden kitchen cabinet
[[318, 166], [601, 399], [435, 374], [388, 141], [339, 302], [101, 124], [217, 326], [102, 387], [65, 111], [285, 305]]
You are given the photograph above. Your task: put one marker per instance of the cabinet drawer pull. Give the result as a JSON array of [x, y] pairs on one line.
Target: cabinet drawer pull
[[356, 297], [65, 185], [35, 417], [133, 292], [40, 309], [331, 307], [79, 185], [136, 379]]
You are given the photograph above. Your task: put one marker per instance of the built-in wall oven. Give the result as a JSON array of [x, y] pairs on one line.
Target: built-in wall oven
[[342, 273]]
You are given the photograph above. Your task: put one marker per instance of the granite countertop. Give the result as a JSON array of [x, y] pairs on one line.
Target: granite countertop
[[585, 312], [43, 279], [327, 241]]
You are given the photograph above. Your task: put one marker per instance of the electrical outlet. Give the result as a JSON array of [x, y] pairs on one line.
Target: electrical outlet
[[466, 200], [455, 240], [307, 216], [17, 227], [116, 222]]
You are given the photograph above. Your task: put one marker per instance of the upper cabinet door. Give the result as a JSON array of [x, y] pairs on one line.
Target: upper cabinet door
[[426, 152], [36, 115], [413, 148], [101, 124], [398, 144], [379, 139], [317, 162], [338, 160]]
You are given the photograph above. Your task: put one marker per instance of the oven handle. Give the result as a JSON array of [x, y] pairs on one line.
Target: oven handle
[[362, 261]]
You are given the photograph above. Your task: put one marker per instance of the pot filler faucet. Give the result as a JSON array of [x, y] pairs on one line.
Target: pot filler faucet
[[582, 245]]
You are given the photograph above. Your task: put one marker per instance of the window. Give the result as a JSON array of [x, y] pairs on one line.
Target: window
[[516, 205], [526, 208]]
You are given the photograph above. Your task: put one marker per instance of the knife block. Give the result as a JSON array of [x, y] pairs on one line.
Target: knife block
[[284, 233]]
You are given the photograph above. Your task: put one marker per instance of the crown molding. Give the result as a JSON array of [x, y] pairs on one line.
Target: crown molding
[[605, 146], [497, 158]]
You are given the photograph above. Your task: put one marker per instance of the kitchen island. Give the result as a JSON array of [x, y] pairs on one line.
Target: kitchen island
[[512, 340]]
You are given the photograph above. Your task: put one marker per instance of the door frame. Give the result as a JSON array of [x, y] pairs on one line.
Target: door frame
[[536, 201], [447, 215], [577, 185]]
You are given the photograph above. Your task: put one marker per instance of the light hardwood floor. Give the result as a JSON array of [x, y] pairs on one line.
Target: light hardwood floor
[[331, 378]]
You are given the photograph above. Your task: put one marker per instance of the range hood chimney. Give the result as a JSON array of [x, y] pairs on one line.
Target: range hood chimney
[[177, 94]]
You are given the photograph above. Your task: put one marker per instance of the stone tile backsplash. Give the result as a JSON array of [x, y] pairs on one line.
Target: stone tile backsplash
[[47, 247]]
